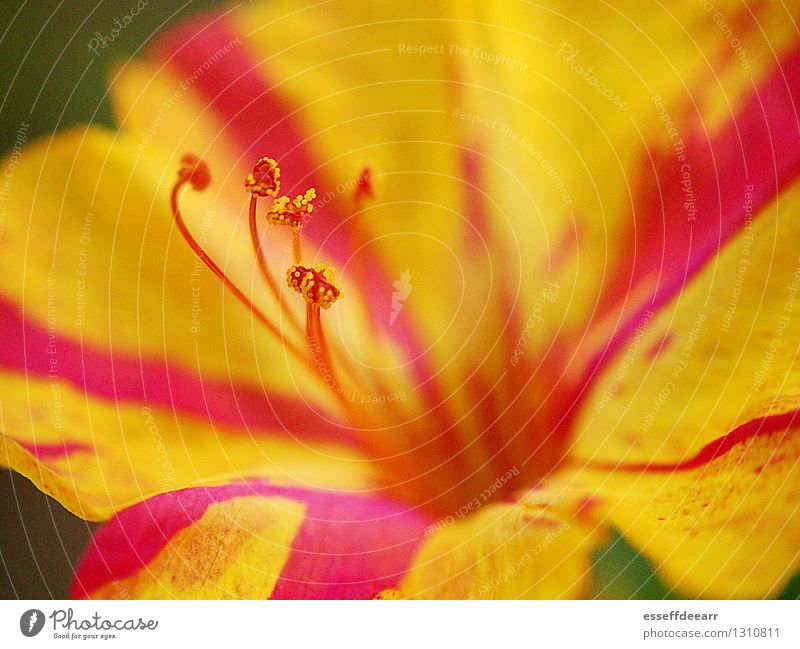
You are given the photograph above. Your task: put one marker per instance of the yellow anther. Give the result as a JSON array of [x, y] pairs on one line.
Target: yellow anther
[[265, 179], [286, 211], [316, 284], [390, 593]]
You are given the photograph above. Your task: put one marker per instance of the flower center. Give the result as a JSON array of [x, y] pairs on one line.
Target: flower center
[[440, 453], [316, 284]]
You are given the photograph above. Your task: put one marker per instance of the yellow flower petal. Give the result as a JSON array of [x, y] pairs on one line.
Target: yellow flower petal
[[519, 551], [722, 353], [96, 457], [235, 550], [571, 120], [724, 526]]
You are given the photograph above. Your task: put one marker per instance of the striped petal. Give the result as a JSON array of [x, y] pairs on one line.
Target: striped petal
[[723, 523], [693, 366], [89, 235], [721, 354], [96, 457], [474, 157], [588, 113], [637, 191], [539, 549], [250, 541]]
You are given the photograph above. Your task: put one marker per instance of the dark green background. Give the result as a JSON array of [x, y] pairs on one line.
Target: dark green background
[[51, 80]]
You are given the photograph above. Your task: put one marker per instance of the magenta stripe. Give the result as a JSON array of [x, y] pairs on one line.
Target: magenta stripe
[[759, 148], [349, 548], [133, 537], [763, 427], [158, 383], [48, 451]]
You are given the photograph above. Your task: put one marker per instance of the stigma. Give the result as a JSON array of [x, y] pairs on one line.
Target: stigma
[[195, 172]]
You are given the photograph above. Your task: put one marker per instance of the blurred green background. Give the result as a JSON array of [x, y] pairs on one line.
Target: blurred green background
[[51, 80]]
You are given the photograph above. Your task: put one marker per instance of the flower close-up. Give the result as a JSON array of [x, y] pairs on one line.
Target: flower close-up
[[419, 300]]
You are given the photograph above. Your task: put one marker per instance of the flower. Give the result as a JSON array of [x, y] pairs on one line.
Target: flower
[[596, 208]]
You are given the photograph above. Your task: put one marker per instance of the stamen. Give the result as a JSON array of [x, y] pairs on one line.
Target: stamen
[[284, 211], [195, 172], [262, 263], [315, 284], [265, 179], [320, 355], [297, 247]]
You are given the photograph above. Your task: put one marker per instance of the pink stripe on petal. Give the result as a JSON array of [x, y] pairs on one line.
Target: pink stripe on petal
[[136, 535], [48, 451], [158, 383], [760, 147], [771, 425], [349, 548]]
